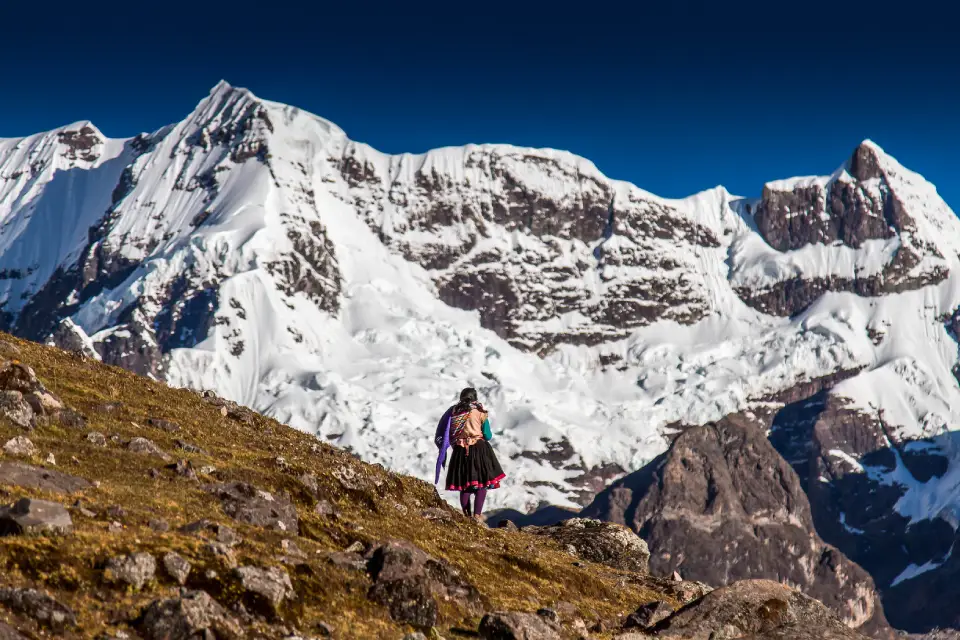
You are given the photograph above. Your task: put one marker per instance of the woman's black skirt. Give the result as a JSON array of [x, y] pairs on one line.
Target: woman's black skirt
[[476, 468]]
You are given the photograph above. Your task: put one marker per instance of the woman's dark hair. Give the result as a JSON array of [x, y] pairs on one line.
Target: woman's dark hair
[[467, 396]]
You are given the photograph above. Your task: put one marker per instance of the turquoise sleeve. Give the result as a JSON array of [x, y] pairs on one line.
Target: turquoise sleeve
[[487, 434]]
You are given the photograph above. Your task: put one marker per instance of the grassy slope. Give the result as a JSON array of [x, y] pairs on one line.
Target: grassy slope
[[512, 570]]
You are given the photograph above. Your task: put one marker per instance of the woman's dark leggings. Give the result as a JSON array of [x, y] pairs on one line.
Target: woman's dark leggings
[[477, 503]]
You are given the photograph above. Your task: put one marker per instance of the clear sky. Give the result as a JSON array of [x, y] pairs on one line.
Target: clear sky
[[674, 96]]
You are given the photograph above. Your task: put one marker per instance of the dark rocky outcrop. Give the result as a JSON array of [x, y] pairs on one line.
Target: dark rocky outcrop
[[30, 477], [723, 505]]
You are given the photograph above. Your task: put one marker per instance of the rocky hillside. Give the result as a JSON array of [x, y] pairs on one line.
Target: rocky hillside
[[256, 250], [132, 510]]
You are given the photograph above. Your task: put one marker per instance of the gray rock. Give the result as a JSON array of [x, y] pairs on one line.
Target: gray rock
[[147, 447], [227, 536], [416, 635], [344, 560], [159, 525], [166, 425], [43, 403], [325, 509], [190, 616], [408, 582], [184, 469], [38, 606], [135, 570], [756, 609], [222, 552], [248, 504], [176, 566], [30, 477], [648, 615], [97, 439], [438, 514], [272, 584], [20, 446], [603, 542], [16, 409], [16, 376], [509, 525], [513, 625], [189, 448], [71, 419], [28, 516], [309, 482]]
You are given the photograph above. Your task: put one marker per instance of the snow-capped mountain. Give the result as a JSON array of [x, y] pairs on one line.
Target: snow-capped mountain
[[254, 249]]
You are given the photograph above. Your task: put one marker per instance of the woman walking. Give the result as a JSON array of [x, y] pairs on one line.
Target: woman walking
[[473, 466]]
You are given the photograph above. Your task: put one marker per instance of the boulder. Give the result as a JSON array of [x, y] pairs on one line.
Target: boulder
[[38, 606], [514, 625], [16, 376], [9, 633], [147, 447], [408, 581], [30, 477], [603, 542], [135, 570], [270, 586], [28, 516], [97, 439], [648, 615], [245, 503], [192, 615], [166, 425], [43, 403], [71, 419], [20, 446], [345, 560], [757, 609], [16, 409], [176, 567]]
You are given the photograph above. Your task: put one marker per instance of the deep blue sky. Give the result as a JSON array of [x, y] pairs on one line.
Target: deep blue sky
[[676, 96]]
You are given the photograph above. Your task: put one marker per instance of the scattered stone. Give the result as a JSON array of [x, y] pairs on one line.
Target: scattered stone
[[28, 516], [292, 549], [416, 635], [148, 447], [222, 552], [509, 525], [135, 570], [647, 615], [86, 513], [176, 567], [20, 446], [247, 504], [548, 614], [116, 511], [513, 625], [166, 425], [281, 462], [154, 473], [325, 630], [310, 483], [408, 582], [603, 542], [208, 470], [38, 606], [16, 376], [71, 419], [227, 536], [183, 468], [438, 514], [676, 577], [688, 590], [159, 525], [74, 459], [97, 439], [272, 585], [349, 561], [189, 448], [115, 527], [108, 407], [192, 615], [43, 403], [51, 459], [16, 409], [355, 547], [325, 509]]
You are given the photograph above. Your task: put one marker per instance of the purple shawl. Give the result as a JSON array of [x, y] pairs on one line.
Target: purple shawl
[[442, 440]]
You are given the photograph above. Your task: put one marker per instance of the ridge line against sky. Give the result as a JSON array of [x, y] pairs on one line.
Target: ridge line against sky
[[675, 98]]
